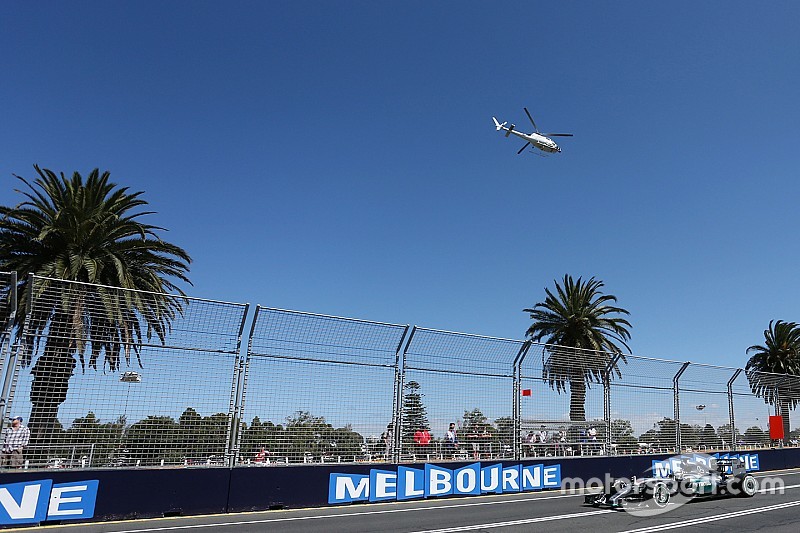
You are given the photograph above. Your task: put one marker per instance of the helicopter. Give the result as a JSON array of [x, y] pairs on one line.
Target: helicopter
[[542, 141]]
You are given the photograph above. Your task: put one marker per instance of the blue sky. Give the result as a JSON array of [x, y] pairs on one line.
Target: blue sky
[[340, 158]]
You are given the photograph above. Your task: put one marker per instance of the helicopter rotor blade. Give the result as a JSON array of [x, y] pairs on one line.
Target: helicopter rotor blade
[[557, 134], [530, 117], [523, 148]]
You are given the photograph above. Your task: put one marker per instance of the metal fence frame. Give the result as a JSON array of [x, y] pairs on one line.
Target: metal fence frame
[[7, 370], [496, 361]]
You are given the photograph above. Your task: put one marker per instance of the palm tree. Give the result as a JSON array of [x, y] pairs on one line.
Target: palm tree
[[85, 231], [780, 354], [581, 330]]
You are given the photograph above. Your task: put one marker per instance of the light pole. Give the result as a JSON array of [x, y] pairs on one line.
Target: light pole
[[128, 377], [702, 431], [700, 408]]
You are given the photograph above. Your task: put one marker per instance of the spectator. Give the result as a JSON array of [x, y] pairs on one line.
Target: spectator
[[14, 442], [591, 437], [422, 439], [486, 442], [388, 439], [262, 456], [543, 438], [527, 444], [559, 440], [474, 438], [450, 440]]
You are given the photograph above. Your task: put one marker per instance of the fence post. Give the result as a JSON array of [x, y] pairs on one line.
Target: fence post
[[20, 345], [607, 398], [399, 384], [234, 429], [730, 408], [244, 370], [9, 351], [779, 410], [515, 407], [677, 407]]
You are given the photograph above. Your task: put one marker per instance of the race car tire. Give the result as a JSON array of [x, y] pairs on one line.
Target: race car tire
[[748, 486], [660, 496]]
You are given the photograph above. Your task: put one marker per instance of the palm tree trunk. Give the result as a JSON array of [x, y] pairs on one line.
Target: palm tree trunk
[[51, 375], [577, 399], [785, 406]]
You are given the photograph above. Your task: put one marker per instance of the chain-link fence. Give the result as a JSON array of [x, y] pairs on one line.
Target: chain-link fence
[[112, 377], [462, 380], [107, 377], [318, 388]]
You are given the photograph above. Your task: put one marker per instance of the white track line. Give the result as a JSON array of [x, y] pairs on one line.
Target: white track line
[[342, 515], [534, 497], [517, 522], [715, 518]]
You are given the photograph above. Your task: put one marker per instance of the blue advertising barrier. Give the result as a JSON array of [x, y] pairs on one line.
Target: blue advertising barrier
[[63, 496], [75, 495]]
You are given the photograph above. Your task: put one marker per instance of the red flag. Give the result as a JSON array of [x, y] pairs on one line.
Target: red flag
[[776, 427], [526, 392]]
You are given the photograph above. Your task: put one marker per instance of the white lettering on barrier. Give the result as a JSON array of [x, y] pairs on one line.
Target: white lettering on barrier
[[36, 501], [552, 476], [532, 477], [490, 479], [57, 500], [511, 479], [466, 481], [439, 482], [414, 483], [26, 508], [349, 487], [435, 481], [385, 485], [668, 466]]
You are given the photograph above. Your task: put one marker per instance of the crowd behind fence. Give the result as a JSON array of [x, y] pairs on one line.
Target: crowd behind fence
[[107, 377]]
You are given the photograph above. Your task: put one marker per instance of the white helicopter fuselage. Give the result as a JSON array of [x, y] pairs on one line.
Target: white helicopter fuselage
[[535, 139], [545, 144]]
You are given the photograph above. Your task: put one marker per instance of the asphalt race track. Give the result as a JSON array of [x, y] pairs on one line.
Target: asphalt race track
[[550, 512]]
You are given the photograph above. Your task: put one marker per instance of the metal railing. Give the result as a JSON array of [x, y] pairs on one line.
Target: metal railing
[[107, 377]]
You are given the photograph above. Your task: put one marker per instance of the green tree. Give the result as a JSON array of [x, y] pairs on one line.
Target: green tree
[[582, 331], [476, 426], [346, 443], [86, 230], [780, 354], [475, 422], [622, 435], [153, 439], [505, 432], [727, 436], [262, 435], [415, 415], [691, 434], [200, 437], [709, 437], [89, 438], [312, 435], [662, 435], [754, 435]]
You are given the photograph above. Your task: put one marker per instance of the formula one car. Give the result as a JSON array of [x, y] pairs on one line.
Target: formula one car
[[690, 480]]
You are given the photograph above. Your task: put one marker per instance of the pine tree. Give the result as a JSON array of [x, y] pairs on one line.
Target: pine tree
[[414, 413]]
